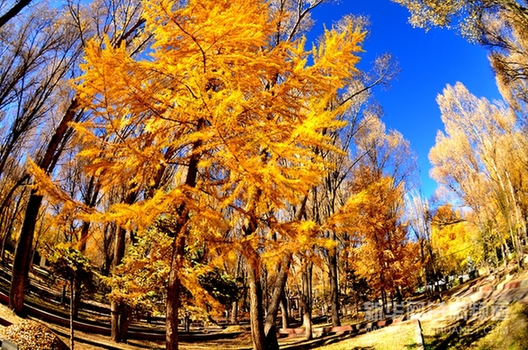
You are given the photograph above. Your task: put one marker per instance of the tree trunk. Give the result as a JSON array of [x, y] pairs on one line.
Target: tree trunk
[[334, 288], [306, 300], [173, 293], [270, 329], [256, 309], [76, 296], [6, 223], [118, 310], [115, 311], [8, 226], [23, 253], [173, 288], [187, 322], [383, 301], [85, 229], [284, 310], [234, 312], [109, 234], [120, 320], [90, 199], [73, 282]]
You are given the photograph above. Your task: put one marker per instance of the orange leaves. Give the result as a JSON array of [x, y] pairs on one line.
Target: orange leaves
[[373, 217]]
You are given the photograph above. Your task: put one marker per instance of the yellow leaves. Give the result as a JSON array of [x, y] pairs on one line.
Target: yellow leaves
[[265, 110], [373, 217], [55, 194], [479, 159], [217, 97], [201, 30], [454, 241], [336, 55], [305, 233], [45, 184]]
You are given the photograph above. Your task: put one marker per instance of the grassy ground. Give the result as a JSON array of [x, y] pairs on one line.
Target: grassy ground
[[477, 333], [510, 334], [401, 336]]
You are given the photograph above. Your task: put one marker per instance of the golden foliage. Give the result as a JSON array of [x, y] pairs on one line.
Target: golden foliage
[[213, 88], [382, 253]]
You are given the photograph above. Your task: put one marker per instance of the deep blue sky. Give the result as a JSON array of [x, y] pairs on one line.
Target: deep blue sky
[[428, 61]]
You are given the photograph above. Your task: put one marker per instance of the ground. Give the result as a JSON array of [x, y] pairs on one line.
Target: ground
[[476, 315]]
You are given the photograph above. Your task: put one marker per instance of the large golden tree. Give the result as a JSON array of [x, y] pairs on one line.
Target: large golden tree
[[234, 110]]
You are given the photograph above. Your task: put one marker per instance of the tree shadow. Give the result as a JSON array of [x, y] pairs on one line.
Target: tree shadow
[[466, 335]]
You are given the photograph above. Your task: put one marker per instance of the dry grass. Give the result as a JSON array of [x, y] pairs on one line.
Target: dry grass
[[510, 334], [394, 337]]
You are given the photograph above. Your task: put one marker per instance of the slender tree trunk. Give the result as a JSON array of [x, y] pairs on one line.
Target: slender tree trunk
[[8, 227], [179, 234], [504, 252], [90, 199], [118, 310], [173, 293], [334, 288], [23, 253], [384, 301], [73, 282], [76, 296], [109, 234], [306, 300], [256, 308], [85, 229], [284, 310], [114, 322], [234, 312], [234, 304]]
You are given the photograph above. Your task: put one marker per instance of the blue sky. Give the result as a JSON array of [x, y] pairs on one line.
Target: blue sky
[[428, 61]]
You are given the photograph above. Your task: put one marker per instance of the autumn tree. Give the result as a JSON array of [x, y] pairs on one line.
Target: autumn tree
[[479, 160], [71, 265], [382, 154], [468, 16], [240, 141], [510, 63], [37, 54], [419, 215], [52, 52], [327, 198], [455, 241], [383, 254]]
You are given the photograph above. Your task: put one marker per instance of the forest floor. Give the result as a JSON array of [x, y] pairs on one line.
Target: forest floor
[[478, 314]]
